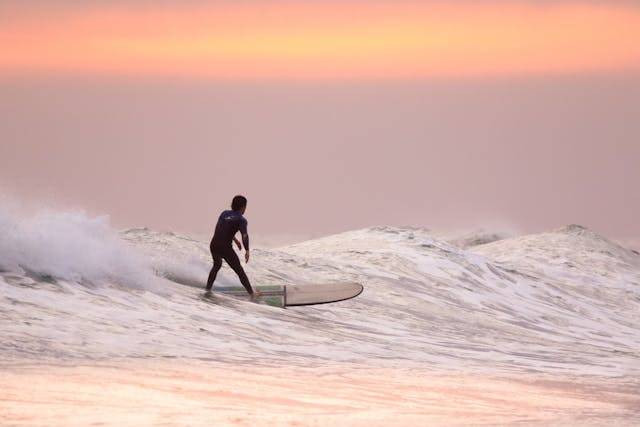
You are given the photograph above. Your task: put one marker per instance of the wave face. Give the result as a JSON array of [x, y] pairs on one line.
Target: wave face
[[566, 301]]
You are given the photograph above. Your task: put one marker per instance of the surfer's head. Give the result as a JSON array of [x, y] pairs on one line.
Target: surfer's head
[[239, 203]]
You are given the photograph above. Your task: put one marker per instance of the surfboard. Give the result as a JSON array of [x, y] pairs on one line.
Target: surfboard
[[297, 295]]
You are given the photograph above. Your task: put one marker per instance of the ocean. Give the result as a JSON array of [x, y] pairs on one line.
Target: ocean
[[451, 329]]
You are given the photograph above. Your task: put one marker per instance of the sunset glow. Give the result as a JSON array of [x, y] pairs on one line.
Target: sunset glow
[[322, 40]]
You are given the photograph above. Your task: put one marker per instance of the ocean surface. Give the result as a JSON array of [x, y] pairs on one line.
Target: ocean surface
[[560, 304]]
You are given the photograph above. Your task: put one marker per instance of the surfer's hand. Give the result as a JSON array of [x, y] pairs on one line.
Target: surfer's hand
[[246, 256], [239, 245]]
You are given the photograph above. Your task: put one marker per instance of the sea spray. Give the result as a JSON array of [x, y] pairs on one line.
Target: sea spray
[[72, 246]]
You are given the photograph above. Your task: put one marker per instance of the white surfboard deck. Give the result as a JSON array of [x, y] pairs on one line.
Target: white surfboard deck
[[296, 295]]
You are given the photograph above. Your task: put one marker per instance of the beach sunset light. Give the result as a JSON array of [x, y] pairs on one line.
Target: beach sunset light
[[320, 40]]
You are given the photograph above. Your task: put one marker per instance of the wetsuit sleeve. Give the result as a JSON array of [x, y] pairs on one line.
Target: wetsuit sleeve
[[245, 235]]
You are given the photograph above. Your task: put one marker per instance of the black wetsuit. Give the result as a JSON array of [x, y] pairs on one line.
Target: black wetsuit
[[229, 223]]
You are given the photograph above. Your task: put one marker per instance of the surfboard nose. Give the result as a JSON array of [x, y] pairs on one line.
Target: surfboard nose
[[323, 293]]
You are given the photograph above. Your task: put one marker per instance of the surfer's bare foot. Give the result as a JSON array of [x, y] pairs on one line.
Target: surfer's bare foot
[[256, 294]]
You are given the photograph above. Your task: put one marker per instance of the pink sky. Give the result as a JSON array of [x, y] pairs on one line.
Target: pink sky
[[320, 39], [327, 115]]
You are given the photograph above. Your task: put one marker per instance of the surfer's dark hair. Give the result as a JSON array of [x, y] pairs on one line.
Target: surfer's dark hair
[[238, 203]]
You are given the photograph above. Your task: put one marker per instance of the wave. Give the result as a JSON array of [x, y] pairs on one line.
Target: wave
[[563, 301], [70, 246]]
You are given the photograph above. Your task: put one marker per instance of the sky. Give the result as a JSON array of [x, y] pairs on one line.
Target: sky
[[328, 115]]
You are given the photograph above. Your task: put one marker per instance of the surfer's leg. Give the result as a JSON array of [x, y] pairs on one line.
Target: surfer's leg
[[233, 261], [217, 263]]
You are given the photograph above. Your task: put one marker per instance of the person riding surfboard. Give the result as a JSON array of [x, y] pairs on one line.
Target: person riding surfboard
[[229, 223]]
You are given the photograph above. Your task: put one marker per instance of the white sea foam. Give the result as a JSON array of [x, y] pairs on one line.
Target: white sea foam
[[71, 246], [566, 301]]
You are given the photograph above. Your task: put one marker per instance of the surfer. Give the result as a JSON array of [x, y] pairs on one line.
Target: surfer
[[229, 223]]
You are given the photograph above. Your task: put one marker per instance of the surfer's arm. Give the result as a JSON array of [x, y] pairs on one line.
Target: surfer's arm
[[245, 240], [245, 235]]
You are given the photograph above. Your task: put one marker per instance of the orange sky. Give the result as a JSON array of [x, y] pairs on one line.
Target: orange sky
[[320, 40]]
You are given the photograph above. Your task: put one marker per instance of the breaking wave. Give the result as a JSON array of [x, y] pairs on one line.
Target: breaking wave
[[563, 301]]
